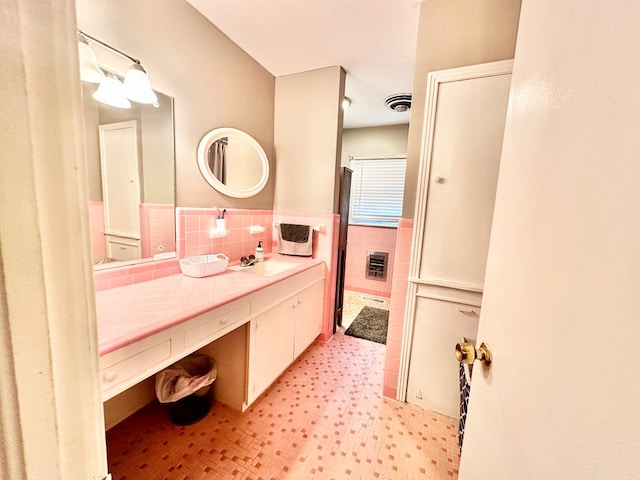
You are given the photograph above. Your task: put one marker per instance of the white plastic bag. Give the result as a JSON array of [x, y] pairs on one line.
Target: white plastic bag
[[191, 375]]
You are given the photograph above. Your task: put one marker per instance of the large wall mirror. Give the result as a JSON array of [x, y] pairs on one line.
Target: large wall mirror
[[131, 170], [233, 162]]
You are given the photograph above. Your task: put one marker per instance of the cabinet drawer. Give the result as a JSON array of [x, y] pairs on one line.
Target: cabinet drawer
[[214, 322], [122, 251], [134, 368]]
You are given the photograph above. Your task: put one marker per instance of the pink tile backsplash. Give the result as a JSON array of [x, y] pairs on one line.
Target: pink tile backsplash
[[130, 274], [360, 239], [195, 237], [157, 231], [397, 307]]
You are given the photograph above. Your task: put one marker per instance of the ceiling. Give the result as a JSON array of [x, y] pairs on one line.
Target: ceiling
[[373, 40]]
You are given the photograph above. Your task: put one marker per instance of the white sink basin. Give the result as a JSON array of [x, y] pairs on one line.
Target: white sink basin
[[265, 269]]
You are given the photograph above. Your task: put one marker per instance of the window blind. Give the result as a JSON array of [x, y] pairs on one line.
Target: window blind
[[377, 190]]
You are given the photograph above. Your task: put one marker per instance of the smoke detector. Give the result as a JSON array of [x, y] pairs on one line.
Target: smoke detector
[[399, 102]]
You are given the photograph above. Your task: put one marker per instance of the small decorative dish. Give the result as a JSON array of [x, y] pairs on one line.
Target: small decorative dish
[[200, 266]]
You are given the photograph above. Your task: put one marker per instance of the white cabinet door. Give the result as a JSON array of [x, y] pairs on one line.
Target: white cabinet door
[[307, 313], [433, 382], [467, 141], [273, 333], [281, 334]]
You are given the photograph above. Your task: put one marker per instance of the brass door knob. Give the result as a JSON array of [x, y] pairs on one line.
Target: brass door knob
[[467, 353]]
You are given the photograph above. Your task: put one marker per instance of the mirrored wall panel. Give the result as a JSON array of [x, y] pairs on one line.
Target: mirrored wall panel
[[131, 177]]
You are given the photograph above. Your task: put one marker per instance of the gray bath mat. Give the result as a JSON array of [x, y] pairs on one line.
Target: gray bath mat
[[370, 324]]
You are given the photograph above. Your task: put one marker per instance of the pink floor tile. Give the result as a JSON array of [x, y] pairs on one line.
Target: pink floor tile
[[324, 418]]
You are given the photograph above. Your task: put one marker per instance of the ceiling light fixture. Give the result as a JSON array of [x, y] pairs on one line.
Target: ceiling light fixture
[[137, 86], [346, 103]]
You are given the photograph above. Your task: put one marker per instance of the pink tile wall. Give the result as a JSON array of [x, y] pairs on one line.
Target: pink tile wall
[[194, 227], [192, 234], [363, 238], [121, 276], [397, 307], [96, 223], [325, 246], [157, 229]]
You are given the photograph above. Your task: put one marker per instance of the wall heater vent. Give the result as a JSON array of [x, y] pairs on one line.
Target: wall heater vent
[[377, 265]]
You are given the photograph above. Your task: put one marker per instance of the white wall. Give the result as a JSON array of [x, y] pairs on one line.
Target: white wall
[[387, 140], [308, 136]]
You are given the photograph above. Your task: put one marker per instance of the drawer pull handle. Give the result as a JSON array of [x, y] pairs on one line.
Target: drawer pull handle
[[467, 311], [224, 320], [109, 375]]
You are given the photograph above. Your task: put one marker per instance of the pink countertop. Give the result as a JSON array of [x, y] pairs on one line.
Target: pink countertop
[[129, 313]]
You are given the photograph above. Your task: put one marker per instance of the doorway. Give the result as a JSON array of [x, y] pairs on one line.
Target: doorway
[[345, 199]]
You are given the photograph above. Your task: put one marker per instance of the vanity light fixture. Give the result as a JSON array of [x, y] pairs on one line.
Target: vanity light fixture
[[346, 103], [137, 86], [111, 92], [90, 71]]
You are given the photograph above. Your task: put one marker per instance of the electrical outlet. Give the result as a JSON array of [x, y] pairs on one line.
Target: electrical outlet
[[419, 394]]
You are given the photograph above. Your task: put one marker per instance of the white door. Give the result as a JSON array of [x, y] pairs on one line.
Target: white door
[[560, 308], [120, 179]]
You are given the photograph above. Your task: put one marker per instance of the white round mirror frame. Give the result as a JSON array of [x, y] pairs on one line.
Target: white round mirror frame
[[212, 180]]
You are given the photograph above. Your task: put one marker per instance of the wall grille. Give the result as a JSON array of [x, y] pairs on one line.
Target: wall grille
[[377, 265]]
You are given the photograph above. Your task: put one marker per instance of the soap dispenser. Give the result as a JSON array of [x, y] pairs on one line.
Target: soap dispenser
[[259, 252]]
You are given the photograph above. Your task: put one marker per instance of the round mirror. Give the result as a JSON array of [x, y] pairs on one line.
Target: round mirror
[[233, 162]]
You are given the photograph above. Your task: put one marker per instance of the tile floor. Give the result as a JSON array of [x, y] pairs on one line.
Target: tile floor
[[324, 418]]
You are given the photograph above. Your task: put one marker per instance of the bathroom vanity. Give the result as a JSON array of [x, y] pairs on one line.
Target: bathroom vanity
[[253, 323]]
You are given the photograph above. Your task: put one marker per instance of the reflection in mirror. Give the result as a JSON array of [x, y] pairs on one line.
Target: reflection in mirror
[[233, 162], [130, 164], [243, 172]]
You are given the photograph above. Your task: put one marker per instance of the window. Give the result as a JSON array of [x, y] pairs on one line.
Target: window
[[377, 189]]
